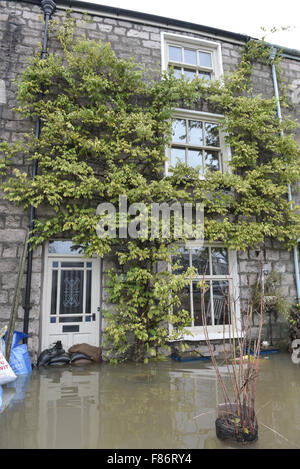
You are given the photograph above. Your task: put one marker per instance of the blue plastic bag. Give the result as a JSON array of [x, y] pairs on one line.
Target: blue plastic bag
[[17, 337], [19, 360]]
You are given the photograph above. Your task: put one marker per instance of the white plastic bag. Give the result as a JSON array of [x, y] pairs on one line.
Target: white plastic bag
[[6, 373]]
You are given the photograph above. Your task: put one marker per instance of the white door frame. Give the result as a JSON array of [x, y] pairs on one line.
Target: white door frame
[[90, 330]]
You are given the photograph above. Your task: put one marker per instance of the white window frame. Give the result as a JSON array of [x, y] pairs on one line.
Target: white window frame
[[196, 333], [178, 40], [225, 153]]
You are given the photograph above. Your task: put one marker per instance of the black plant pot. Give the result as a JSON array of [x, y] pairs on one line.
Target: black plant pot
[[229, 426]]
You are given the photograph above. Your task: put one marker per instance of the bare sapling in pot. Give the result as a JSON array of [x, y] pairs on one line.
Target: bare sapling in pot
[[236, 418]]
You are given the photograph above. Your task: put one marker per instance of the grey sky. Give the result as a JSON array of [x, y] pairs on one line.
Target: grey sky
[[245, 17]]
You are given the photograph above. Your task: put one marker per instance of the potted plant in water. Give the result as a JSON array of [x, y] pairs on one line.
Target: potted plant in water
[[236, 418]]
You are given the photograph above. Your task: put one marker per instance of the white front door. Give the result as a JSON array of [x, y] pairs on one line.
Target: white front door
[[71, 297]]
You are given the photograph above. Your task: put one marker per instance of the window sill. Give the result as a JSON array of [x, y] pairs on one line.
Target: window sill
[[196, 334]]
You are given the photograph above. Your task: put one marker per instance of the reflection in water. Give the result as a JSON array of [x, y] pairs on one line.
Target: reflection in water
[[141, 406], [6, 396]]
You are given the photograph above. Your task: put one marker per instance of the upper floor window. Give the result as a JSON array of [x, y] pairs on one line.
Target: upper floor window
[[190, 62], [191, 57], [196, 143]]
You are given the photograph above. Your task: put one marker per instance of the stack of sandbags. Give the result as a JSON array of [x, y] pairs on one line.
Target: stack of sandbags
[[81, 354]]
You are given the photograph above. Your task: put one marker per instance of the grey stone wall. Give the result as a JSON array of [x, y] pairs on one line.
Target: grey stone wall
[[276, 260], [21, 31]]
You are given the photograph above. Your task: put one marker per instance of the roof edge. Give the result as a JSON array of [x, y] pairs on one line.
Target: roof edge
[[170, 22]]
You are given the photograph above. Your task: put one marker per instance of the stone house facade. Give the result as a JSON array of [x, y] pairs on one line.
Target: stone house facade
[[154, 42]]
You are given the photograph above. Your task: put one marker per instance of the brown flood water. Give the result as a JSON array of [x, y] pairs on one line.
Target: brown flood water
[[143, 406]]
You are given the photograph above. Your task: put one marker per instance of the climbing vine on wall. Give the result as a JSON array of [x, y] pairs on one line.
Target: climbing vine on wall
[[104, 131]]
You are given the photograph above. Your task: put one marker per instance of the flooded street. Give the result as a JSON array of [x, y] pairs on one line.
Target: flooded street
[[143, 406]]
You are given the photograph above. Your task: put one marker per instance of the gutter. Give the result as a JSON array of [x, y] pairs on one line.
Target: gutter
[[158, 21], [48, 7], [273, 53]]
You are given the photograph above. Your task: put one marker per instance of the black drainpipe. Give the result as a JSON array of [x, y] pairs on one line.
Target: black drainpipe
[[48, 7]]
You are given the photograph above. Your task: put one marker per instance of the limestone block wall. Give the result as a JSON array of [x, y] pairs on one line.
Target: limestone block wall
[[21, 31]]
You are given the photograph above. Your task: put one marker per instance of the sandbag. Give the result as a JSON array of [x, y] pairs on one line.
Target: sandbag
[[60, 360], [47, 355], [6, 373], [94, 353], [78, 358]]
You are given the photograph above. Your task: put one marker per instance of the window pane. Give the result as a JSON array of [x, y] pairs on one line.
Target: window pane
[[185, 299], [221, 302], [183, 258], [189, 74], [88, 292], [177, 72], [219, 258], [175, 54], [195, 159], [71, 294], [54, 292], [205, 75], [190, 56], [205, 59], [71, 319], [200, 260], [177, 156], [196, 132], [72, 264], [64, 247], [212, 135], [211, 161], [179, 130], [201, 303]]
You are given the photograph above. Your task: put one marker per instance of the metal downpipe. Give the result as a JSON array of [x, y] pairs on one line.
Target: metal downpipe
[[273, 53], [48, 7]]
